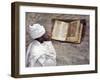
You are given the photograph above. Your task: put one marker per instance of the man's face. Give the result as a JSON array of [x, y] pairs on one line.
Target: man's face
[[45, 37]]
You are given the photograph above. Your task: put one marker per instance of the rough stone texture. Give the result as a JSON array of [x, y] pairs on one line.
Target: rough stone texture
[[67, 53]]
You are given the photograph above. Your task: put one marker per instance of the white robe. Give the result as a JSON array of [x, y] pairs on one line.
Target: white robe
[[40, 54]]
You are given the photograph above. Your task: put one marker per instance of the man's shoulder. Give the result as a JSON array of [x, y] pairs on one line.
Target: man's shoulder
[[34, 43], [47, 42]]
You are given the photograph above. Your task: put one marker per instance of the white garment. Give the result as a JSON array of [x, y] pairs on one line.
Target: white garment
[[40, 54]]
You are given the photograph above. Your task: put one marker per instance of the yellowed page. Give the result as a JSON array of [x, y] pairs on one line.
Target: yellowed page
[[60, 30], [73, 31]]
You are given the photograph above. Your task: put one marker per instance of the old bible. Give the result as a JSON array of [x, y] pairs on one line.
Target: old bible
[[67, 31]]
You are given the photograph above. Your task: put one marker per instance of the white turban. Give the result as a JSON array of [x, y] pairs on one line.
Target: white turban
[[36, 30]]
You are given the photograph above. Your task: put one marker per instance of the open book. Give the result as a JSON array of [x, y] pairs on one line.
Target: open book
[[67, 31]]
